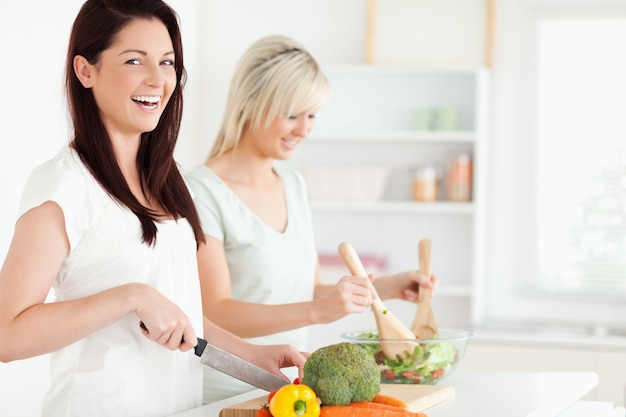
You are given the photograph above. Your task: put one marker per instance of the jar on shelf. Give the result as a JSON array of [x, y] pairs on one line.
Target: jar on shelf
[[425, 184], [459, 179]]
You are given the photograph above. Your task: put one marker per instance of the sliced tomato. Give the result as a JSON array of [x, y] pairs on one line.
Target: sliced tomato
[[437, 373], [389, 375]]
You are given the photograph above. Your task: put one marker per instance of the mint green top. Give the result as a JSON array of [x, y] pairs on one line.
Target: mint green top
[[265, 266]]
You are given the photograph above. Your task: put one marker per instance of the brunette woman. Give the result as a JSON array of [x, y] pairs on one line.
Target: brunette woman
[[109, 225]]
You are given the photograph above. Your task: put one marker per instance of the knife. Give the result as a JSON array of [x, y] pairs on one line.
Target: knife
[[234, 366]]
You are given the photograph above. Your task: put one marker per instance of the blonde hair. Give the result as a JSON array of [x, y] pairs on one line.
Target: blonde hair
[[275, 77]]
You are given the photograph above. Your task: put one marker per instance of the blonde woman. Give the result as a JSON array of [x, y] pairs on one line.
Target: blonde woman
[[255, 214]]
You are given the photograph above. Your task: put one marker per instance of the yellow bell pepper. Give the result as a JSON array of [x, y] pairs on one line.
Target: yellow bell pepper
[[295, 401]]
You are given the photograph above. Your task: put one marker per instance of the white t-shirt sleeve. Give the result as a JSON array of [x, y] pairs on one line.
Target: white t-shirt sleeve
[[64, 182]]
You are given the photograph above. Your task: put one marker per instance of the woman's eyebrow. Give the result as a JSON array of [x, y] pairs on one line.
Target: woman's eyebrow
[[144, 53], [135, 51]]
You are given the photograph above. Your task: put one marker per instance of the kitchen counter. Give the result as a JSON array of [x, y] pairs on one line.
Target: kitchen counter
[[514, 394], [484, 394]]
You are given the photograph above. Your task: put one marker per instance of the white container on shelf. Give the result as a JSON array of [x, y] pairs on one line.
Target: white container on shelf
[[349, 184]]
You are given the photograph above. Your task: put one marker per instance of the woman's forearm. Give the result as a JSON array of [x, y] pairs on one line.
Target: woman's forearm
[[46, 327], [254, 320]]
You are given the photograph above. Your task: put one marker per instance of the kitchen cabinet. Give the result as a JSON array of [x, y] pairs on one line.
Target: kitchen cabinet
[[403, 118]]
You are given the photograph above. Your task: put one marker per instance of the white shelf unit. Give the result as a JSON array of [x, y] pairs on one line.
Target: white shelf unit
[[372, 120]]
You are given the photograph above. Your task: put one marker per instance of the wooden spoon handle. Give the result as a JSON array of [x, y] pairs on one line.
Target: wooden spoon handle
[[424, 323], [424, 252], [351, 259], [356, 268], [425, 249]]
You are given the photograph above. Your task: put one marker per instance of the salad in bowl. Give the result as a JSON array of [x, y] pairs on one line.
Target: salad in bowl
[[430, 361]]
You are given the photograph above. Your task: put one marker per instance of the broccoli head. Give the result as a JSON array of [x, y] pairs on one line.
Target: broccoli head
[[342, 373]]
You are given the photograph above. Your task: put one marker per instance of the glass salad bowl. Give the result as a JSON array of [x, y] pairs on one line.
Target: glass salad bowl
[[431, 360]]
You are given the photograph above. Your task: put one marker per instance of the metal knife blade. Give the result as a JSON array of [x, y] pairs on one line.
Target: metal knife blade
[[236, 367]]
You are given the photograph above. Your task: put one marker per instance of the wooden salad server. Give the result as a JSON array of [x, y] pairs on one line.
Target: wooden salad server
[[424, 325], [388, 325]]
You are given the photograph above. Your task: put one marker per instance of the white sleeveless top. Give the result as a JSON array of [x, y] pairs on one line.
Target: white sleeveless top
[[117, 371]]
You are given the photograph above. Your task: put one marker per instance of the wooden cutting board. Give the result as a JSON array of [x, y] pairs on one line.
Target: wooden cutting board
[[419, 398]]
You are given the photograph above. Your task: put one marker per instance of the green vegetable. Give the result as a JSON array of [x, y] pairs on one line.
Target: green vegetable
[[441, 353], [342, 373], [425, 365]]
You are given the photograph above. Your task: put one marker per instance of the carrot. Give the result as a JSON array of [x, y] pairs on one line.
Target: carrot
[[389, 399], [351, 410], [377, 406]]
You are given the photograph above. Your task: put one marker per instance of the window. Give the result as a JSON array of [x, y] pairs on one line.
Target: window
[[566, 252], [581, 143]]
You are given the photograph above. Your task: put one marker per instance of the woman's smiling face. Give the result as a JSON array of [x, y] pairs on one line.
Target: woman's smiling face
[[282, 136], [134, 78]]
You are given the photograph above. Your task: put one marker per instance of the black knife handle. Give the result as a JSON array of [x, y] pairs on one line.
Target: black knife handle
[[200, 347], [197, 350]]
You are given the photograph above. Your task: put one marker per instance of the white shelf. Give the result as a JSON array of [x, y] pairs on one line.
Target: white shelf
[[439, 207], [376, 119], [409, 136]]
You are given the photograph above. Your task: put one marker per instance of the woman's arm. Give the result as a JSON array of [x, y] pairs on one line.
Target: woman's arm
[[30, 327], [351, 295], [404, 285]]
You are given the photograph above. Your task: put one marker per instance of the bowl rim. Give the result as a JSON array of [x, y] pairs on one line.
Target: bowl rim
[[457, 335]]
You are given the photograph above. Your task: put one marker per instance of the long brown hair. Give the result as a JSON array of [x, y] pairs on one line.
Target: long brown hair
[[94, 30]]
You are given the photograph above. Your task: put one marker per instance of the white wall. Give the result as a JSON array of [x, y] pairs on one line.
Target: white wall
[[32, 109], [33, 41], [33, 127]]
